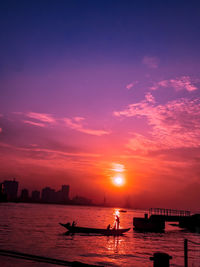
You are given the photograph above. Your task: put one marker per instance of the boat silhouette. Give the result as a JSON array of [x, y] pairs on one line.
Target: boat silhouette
[[86, 230]]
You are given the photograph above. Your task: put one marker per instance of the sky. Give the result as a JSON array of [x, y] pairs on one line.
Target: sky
[[94, 90]]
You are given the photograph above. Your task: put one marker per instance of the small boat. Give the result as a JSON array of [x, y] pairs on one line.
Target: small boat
[[86, 230], [122, 210]]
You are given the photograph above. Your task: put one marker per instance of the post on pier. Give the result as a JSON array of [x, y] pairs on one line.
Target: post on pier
[[160, 259], [185, 253]]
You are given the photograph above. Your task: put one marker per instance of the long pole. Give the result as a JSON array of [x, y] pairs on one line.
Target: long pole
[[185, 253]]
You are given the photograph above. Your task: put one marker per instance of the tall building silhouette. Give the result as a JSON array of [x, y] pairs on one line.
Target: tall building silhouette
[[48, 195], [11, 189], [3, 197], [24, 195]]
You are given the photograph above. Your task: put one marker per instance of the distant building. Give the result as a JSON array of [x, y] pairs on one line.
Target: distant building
[[48, 195], [62, 196], [11, 189], [3, 196], [81, 200], [65, 193], [35, 196], [1, 188], [24, 195]]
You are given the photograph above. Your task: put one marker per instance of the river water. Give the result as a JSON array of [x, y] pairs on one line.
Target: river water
[[35, 229]]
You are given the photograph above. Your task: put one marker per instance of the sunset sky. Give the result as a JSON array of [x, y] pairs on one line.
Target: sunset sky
[[92, 90]]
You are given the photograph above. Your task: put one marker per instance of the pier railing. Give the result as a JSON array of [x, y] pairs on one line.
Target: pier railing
[[168, 212]]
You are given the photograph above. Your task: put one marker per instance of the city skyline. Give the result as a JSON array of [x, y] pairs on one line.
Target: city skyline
[[104, 96], [9, 193]]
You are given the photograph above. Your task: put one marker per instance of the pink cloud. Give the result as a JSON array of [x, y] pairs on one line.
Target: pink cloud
[[141, 143], [78, 126], [175, 124], [79, 119], [181, 83], [149, 97], [34, 123], [130, 85], [41, 117], [57, 152], [151, 62], [137, 109], [35, 148], [76, 123]]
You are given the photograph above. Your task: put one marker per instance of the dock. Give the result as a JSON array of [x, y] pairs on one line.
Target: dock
[[155, 220], [169, 215]]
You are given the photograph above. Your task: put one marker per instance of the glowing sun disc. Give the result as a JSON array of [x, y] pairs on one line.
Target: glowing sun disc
[[118, 180]]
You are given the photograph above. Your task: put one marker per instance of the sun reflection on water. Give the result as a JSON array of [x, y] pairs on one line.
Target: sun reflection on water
[[116, 212], [113, 243]]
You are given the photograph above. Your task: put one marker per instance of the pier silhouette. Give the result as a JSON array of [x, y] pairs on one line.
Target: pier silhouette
[[168, 215], [155, 220]]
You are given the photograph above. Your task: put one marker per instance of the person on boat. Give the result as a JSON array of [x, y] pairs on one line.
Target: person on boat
[[73, 224], [117, 222], [108, 227]]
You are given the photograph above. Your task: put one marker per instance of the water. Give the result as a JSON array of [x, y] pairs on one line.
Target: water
[[35, 229]]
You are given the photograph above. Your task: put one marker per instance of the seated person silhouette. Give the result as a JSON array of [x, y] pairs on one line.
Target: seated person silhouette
[[108, 227], [73, 224]]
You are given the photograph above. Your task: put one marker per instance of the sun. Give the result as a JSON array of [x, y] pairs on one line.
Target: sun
[[118, 180], [117, 174]]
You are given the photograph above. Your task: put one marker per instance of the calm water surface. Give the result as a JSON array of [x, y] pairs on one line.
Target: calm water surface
[[35, 229]]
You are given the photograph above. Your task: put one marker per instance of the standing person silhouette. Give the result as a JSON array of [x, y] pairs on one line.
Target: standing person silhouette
[[117, 221]]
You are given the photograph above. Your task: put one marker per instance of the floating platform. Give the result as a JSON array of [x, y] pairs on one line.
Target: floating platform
[[191, 223], [149, 224]]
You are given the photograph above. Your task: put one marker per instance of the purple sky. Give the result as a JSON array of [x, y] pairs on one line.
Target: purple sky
[[88, 84]]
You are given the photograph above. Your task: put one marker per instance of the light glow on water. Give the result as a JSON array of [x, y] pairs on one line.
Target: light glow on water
[[35, 229]]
